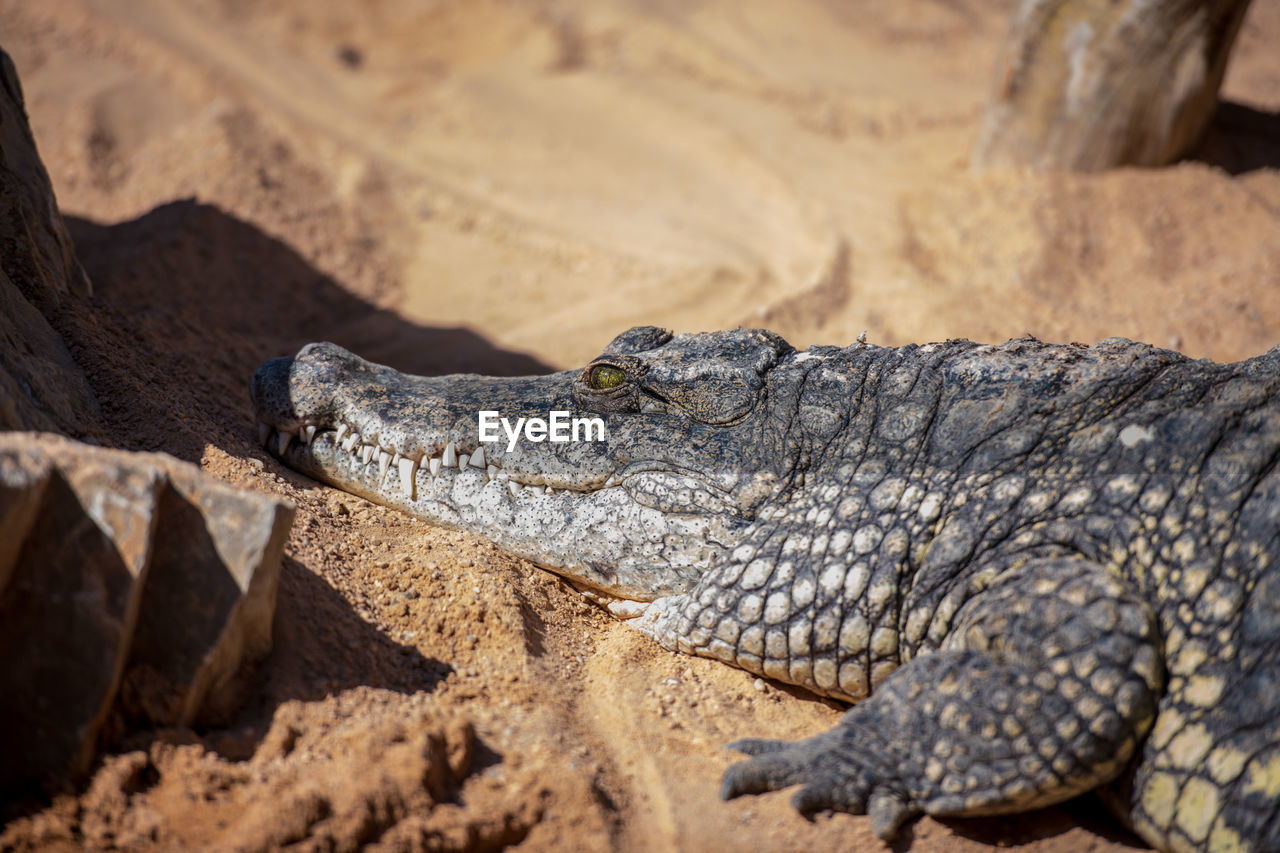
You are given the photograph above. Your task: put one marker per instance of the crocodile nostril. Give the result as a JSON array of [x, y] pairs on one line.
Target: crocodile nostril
[[269, 391]]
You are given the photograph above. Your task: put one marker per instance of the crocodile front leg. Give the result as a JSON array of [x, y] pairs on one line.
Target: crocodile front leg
[[1042, 690]]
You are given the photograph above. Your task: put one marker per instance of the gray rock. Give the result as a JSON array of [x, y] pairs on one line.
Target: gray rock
[[125, 578], [41, 387]]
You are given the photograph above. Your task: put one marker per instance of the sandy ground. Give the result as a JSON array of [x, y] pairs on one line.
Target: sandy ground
[[500, 187]]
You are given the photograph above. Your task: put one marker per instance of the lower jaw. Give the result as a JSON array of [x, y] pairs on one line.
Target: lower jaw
[[540, 526], [529, 522], [438, 497]]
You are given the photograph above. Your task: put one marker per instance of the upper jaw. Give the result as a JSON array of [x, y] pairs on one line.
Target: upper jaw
[[401, 424], [633, 517], [350, 454]]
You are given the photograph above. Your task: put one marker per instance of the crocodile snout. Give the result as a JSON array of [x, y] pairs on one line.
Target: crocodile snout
[[270, 392], [294, 392]]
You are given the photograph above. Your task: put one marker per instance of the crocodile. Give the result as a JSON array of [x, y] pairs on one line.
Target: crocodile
[[1035, 570]]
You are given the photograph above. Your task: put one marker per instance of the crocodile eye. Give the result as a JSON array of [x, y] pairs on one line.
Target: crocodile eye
[[605, 376]]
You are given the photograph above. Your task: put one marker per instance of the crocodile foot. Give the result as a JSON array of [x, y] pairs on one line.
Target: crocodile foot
[[836, 776], [1042, 696]]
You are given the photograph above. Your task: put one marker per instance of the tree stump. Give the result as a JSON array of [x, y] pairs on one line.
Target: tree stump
[[1088, 85]]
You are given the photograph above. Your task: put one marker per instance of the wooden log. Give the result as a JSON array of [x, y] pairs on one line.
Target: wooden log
[[1087, 85]]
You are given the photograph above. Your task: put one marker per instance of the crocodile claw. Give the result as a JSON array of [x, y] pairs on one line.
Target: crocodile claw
[[888, 812], [779, 764], [758, 746], [833, 780]]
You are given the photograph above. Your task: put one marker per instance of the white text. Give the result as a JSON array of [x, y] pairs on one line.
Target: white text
[[557, 427]]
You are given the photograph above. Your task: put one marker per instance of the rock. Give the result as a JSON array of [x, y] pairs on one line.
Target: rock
[[1090, 86], [22, 485], [122, 568], [41, 387], [211, 592]]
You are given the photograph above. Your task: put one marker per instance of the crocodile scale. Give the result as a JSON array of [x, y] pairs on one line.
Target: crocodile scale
[[1035, 569]]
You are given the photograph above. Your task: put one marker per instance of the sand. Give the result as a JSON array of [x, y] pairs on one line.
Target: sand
[[501, 187]]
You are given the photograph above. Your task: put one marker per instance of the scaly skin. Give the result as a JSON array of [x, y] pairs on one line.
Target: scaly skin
[[1042, 569]]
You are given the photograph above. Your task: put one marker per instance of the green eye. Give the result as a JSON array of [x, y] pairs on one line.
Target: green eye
[[605, 376]]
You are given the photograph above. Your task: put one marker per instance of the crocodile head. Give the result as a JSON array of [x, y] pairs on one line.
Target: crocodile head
[[680, 439]]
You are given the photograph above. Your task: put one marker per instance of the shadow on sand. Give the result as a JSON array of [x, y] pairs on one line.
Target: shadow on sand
[[187, 302], [1240, 139]]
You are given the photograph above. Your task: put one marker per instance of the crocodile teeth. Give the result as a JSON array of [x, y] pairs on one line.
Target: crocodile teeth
[[342, 431], [264, 434], [513, 487], [308, 435], [477, 458], [352, 441], [537, 490], [366, 453], [384, 461], [462, 460], [407, 469], [433, 465], [282, 441], [550, 491], [450, 456], [493, 471]]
